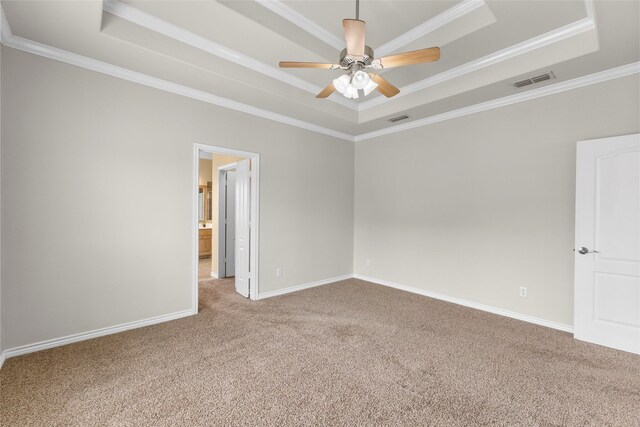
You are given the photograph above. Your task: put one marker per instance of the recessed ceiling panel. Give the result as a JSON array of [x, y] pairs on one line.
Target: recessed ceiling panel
[[509, 39]]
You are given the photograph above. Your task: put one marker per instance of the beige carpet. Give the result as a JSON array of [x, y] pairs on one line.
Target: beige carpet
[[346, 354]]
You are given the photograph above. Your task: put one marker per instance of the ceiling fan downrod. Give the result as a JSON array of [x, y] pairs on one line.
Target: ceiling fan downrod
[[358, 9]]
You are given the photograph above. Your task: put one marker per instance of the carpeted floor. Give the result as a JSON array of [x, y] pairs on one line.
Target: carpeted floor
[[346, 354]]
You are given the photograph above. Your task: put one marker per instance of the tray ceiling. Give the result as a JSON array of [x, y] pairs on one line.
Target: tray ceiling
[[230, 49]]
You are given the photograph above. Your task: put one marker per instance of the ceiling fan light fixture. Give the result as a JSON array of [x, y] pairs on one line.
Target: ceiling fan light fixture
[[370, 87]]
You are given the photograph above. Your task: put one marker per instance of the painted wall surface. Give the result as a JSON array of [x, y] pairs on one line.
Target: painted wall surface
[[471, 208], [218, 160], [111, 164], [476, 207]]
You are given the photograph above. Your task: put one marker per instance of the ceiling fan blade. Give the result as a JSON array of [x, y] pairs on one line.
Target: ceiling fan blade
[[354, 36], [384, 87], [290, 64], [414, 57], [326, 91]]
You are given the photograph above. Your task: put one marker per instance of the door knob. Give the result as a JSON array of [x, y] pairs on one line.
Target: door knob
[[584, 251]]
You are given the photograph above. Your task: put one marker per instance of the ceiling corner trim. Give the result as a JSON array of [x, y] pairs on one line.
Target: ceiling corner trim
[[5, 29], [446, 17], [71, 58], [591, 14], [284, 11], [590, 79], [589, 5], [153, 23]]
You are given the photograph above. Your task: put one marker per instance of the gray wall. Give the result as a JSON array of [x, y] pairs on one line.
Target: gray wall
[[96, 199], [476, 207], [97, 178]]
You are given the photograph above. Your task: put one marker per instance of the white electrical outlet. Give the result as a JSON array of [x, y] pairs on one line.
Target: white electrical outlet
[[367, 262], [523, 292], [278, 272]]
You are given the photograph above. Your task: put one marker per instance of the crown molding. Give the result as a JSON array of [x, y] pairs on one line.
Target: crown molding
[[590, 79], [590, 7], [284, 11], [139, 17], [160, 26], [167, 86], [554, 36], [5, 29], [50, 52], [445, 18]]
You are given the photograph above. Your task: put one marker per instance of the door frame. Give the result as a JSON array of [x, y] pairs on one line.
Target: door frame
[[222, 242], [254, 244]]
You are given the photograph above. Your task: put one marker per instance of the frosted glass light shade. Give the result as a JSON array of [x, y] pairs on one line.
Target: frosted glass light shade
[[370, 87], [351, 92], [360, 79], [341, 83]]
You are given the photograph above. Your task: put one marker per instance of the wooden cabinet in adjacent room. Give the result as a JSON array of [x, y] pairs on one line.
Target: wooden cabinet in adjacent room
[[204, 247]]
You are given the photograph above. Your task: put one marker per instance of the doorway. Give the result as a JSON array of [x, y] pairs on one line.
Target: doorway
[[230, 206]]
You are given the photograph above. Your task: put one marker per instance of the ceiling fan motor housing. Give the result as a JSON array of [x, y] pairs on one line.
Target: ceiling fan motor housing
[[347, 60]]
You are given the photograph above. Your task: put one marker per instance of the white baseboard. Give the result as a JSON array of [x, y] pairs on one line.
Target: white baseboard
[[214, 275], [471, 304], [43, 345], [57, 342], [296, 288]]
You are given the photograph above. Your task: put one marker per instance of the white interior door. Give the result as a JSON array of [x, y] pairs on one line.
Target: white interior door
[[607, 259], [243, 215], [230, 224]]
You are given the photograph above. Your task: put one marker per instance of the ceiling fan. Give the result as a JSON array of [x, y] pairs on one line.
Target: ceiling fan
[[358, 57]]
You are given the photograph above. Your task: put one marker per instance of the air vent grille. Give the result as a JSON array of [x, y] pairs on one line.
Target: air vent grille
[[536, 79], [398, 118], [540, 78], [522, 83]]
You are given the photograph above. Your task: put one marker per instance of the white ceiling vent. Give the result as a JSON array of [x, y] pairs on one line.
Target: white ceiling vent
[[536, 79], [398, 118]]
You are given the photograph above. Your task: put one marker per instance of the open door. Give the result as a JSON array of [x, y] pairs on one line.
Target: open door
[[607, 260], [243, 227]]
